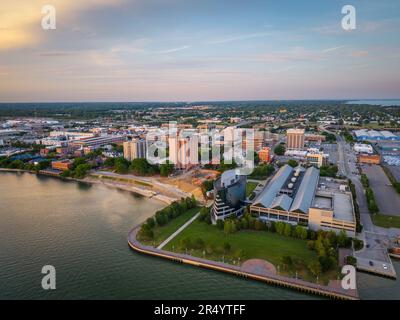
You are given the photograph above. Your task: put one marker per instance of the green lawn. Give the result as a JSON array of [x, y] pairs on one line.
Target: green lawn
[[162, 233], [246, 245], [385, 221], [250, 188]]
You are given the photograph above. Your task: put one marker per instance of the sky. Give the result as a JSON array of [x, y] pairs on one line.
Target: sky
[[198, 50]]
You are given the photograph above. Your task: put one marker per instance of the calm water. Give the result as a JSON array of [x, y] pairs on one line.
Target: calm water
[[82, 230]]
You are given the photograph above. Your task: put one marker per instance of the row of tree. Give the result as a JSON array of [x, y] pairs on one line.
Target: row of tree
[[163, 216], [19, 164], [139, 166]]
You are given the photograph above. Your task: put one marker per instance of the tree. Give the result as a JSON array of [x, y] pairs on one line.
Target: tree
[[288, 230], [16, 164], [280, 150], [229, 226], [293, 163], [310, 245], [65, 174], [121, 165], [204, 212], [150, 222], [279, 227], [146, 233], [109, 162], [77, 162], [166, 169], [343, 240], [81, 170], [315, 268], [287, 262]]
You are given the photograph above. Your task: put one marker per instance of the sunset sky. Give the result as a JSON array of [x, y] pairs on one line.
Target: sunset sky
[[186, 50]]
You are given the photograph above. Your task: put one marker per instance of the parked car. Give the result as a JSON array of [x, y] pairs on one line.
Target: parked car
[[371, 263], [385, 266]]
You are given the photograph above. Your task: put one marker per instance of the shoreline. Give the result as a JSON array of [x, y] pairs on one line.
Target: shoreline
[[144, 193], [333, 292]]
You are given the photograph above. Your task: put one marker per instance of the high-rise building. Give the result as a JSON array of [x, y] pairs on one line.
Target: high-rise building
[[134, 149], [184, 151], [295, 139]]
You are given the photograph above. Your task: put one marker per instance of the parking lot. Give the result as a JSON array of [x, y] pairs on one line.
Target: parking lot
[[332, 150], [395, 170], [387, 198]]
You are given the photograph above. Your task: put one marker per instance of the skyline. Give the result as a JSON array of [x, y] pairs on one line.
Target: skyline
[[117, 51]]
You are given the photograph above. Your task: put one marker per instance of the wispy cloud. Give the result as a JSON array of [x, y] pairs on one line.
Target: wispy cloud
[[333, 49], [175, 49], [240, 37]]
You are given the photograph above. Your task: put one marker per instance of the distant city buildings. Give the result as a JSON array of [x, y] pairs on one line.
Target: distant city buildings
[[373, 135], [100, 141], [134, 149], [295, 139]]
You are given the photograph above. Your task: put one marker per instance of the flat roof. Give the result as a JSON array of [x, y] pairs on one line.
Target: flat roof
[[322, 202], [342, 207]]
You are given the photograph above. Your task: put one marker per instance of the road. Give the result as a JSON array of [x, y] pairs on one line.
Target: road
[[374, 256]]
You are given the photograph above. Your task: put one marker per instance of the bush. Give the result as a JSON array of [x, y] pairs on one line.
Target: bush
[[146, 233], [150, 222], [351, 260], [358, 244], [280, 150]]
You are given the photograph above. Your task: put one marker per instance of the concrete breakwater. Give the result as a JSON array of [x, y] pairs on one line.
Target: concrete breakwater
[[334, 292]]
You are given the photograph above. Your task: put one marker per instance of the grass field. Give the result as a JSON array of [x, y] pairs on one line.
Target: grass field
[[248, 245], [162, 233], [385, 221], [250, 187]]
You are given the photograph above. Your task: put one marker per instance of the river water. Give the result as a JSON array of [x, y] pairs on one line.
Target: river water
[[81, 230]]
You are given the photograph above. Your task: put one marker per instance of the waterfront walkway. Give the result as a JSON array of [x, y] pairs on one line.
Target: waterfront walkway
[[183, 227], [333, 290]]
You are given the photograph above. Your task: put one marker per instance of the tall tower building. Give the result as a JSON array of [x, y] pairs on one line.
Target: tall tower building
[[184, 151], [295, 139], [134, 149]]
